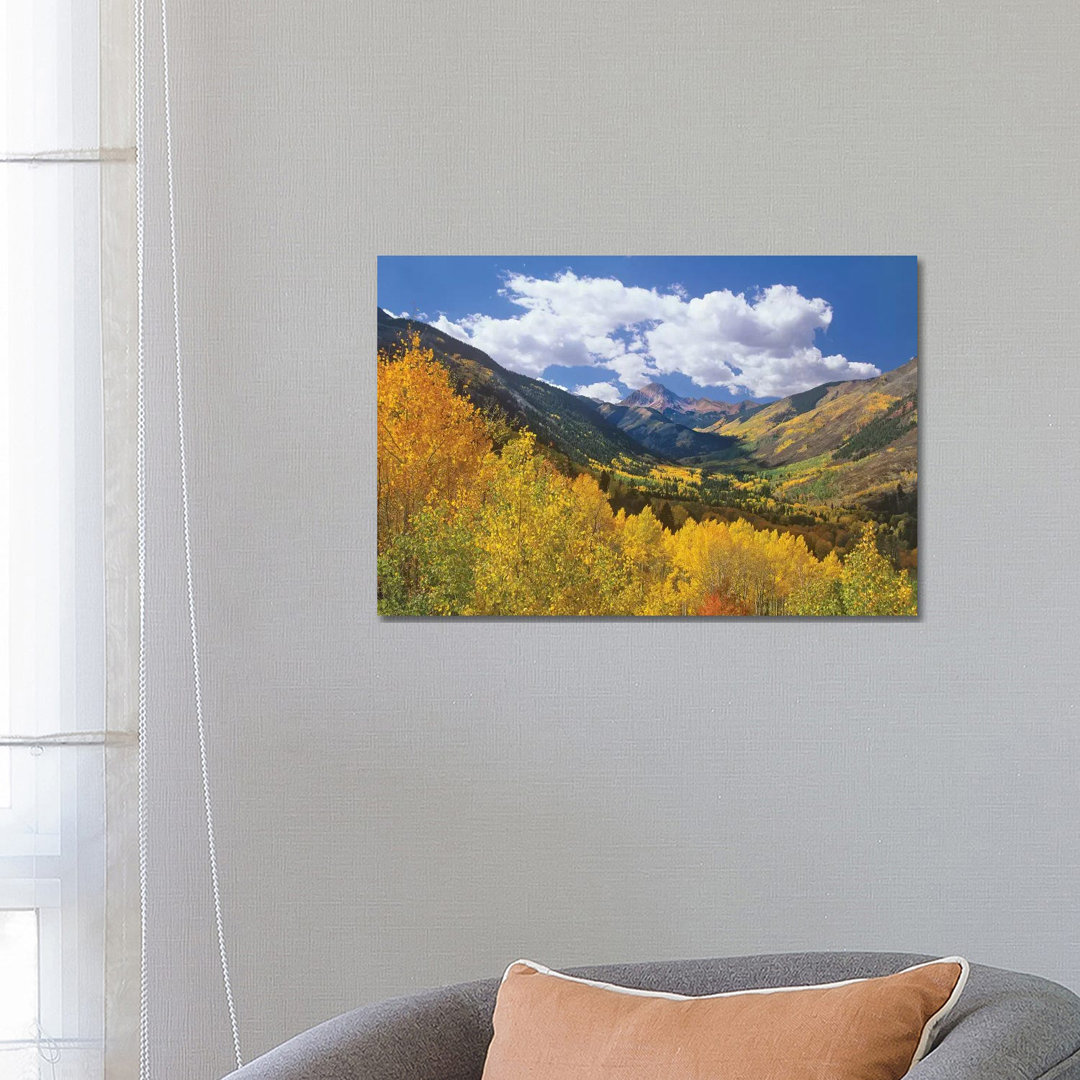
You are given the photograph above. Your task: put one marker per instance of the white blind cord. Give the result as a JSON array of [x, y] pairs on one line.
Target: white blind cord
[[140, 213], [182, 448], [211, 847], [140, 455]]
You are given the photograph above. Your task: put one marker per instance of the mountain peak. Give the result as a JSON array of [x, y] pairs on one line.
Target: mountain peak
[[690, 412], [653, 395]]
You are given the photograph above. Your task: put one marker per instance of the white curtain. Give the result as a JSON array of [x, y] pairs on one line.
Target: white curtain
[[58, 201]]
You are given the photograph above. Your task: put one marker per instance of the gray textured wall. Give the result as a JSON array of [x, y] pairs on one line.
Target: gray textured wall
[[407, 804]]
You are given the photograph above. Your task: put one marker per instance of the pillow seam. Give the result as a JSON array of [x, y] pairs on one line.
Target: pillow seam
[[933, 1024], [633, 991]]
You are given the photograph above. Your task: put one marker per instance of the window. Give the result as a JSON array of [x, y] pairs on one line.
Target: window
[[52, 684]]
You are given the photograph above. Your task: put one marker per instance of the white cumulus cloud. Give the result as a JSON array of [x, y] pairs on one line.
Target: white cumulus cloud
[[600, 391], [763, 344]]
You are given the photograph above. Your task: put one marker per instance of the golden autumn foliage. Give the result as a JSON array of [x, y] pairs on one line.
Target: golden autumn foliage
[[756, 568], [864, 584], [465, 529], [432, 442], [870, 586], [544, 544]]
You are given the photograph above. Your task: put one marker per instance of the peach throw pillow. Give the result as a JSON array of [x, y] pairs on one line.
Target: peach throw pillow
[[550, 1026]]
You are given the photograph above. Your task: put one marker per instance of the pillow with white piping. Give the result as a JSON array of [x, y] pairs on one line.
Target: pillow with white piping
[[551, 1026]]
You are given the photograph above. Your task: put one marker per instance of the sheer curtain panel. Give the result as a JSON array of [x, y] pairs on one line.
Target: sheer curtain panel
[[66, 752]]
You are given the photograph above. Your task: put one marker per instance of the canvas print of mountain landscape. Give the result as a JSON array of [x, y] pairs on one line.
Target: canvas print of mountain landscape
[[647, 436]]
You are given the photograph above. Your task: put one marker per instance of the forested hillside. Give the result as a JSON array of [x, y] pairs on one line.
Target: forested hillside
[[561, 419], [666, 439], [852, 443], [497, 497]]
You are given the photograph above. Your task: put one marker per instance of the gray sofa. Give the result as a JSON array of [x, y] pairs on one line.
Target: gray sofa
[[1006, 1026]]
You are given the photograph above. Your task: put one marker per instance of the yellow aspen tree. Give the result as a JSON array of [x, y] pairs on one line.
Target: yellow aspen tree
[[431, 441], [869, 585]]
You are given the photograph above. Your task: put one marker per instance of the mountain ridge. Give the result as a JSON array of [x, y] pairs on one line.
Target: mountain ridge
[[821, 419], [689, 412], [853, 442], [559, 418]]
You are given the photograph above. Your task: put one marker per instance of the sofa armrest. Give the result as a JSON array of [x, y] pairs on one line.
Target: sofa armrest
[[437, 1035], [1007, 1026]]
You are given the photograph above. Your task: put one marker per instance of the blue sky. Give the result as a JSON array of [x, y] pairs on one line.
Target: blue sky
[[722, 327]]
